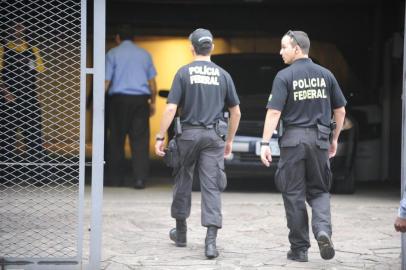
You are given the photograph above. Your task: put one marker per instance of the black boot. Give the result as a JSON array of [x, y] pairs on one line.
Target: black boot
[[178, 234], [210, 248]]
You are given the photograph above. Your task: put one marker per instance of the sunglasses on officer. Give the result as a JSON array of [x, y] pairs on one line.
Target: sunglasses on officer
[[291, 34]]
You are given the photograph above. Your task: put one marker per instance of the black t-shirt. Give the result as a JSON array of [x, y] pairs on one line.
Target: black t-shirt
[[202, 89], [305, 93]]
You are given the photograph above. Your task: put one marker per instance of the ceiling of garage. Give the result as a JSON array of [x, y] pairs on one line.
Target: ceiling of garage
[[273, 2], [359, 28]]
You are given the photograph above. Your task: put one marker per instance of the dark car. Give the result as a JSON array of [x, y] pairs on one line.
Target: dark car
[[253, 74]]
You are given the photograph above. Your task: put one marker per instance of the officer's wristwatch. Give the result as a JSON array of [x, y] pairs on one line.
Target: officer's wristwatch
[[264, 143], [159, 138]]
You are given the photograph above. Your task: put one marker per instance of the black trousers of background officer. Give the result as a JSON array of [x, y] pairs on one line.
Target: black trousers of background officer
[[128, 114], [203, 148], [24, 114], [304, 175]]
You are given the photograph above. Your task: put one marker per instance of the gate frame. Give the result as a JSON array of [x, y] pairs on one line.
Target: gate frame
[[99, 40], [403, 149], [77, 262]]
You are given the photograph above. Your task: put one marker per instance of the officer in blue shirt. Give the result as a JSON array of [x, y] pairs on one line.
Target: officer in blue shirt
[[400, 222], [131, 87]]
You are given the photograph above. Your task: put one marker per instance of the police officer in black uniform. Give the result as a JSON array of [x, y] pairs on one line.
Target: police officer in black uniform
[[20, 63], [304, 95], [201, 90]]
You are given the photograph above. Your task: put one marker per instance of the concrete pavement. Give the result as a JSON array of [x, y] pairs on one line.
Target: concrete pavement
[[254, 236]]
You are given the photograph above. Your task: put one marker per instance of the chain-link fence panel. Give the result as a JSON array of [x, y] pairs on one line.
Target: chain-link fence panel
[[40, 60]]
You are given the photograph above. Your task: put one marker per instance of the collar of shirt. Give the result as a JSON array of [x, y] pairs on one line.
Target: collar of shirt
[[127, 42], [302, 60]]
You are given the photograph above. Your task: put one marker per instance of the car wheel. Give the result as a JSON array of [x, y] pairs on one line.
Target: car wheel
[[344, 184]]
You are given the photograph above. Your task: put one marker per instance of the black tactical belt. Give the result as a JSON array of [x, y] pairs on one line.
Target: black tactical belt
[[184, 127]]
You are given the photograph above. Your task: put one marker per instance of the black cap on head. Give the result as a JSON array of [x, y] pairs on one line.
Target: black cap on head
[[202, 40]]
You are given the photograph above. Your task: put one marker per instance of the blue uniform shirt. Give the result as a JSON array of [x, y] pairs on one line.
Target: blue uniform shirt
[[128, 68], [402, 208]]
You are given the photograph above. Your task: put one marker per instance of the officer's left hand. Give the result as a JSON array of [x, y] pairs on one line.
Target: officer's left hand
[[266, 156], [228, 148], [159, 148], [152, 109], [400, 224], [332, 149]]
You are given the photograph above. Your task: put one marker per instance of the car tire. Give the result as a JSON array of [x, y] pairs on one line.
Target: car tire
[[344, 184]]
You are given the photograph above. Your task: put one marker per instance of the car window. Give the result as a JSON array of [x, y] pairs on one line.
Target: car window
[[253, 74]]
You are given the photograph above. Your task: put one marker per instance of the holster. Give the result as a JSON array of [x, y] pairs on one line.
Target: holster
[[172, 157], [221, 129], [323, 132]]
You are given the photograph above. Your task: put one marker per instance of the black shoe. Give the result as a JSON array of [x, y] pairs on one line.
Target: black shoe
[[326, 247], [139, 184], [211, 251], [298, 255], [178, 234]]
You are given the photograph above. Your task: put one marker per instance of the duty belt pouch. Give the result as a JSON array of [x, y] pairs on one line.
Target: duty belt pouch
[[221, 128], [172, 157], [323, 133]]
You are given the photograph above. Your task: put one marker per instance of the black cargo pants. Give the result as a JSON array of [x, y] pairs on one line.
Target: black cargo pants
[[203, 148], [304, 175], [128, 114]]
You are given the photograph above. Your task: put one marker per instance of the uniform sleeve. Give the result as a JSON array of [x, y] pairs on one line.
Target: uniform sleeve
[[175, 94], [109, 67], [337, 97], [231, 94], [278, 96], [402, 208], [151, 71], [39, 64]]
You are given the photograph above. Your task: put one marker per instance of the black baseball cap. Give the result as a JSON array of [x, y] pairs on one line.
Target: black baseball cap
[[201, 38]]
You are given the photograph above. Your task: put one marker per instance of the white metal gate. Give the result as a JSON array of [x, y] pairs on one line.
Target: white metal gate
[[42, 115]]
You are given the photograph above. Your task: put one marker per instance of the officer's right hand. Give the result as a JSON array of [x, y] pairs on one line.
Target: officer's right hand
[[266, 156], [159, 148], [228, 149], [400, 224]]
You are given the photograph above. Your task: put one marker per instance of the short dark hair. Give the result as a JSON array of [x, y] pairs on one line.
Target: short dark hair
[[204, 49], [301, 39], [125, 33]]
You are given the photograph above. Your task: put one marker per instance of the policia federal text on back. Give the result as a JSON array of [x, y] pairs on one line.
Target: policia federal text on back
[[200, 90], [304, 95]]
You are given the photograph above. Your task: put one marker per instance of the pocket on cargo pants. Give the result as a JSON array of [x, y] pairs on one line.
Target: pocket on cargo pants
[[280, 179]]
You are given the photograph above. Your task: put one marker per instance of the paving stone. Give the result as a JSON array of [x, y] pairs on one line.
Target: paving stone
[[136, 224]]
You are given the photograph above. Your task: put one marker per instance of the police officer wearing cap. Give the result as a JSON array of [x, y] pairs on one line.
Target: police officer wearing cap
[[305, 96], [201, 90]]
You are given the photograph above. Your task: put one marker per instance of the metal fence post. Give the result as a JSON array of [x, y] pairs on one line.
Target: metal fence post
[[403, 167], [98, 133]]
